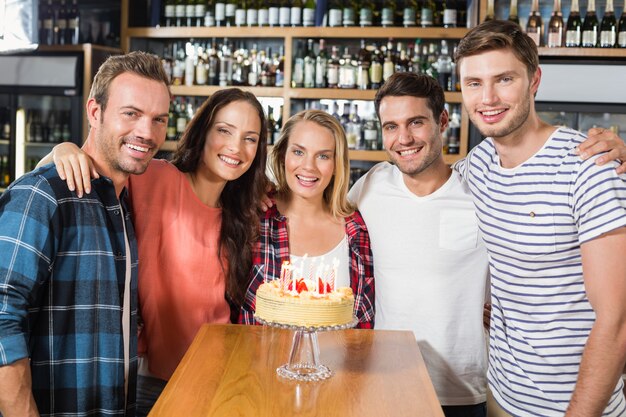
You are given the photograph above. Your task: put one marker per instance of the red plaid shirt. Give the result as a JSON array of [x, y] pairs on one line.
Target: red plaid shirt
[[272, 249]]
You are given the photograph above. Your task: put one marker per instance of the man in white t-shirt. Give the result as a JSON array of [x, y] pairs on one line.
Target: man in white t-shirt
[[555, 229], [430, 263]]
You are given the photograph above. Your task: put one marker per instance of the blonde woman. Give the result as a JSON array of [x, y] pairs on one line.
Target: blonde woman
[[312, 222]]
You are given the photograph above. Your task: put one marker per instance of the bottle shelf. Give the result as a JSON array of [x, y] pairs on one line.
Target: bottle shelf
[[207, 90], [582, 52], [165, 32], [295, 93], [41, 144], [78, 48]]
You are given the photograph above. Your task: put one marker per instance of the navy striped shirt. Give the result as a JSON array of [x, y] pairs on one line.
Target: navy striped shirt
[[534, 217], [62, 274]]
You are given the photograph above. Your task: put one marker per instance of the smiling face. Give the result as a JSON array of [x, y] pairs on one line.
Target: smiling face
[[231, 142], [497, 92], [411, 133], [309, 160], [130, 131]]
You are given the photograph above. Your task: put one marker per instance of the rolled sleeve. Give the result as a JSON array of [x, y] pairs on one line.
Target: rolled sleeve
[[26, 210]]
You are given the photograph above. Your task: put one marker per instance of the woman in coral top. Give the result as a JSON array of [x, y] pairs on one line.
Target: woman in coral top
[[312, 222], [196, 221]]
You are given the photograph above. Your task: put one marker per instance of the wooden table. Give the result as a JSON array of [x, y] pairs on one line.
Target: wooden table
[[230, 370]]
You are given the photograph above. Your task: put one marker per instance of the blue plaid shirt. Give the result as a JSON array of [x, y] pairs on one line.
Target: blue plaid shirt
[[62, 272]]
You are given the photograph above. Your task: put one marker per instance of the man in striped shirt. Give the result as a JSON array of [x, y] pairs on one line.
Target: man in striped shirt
[[555, 230], [68, 266]]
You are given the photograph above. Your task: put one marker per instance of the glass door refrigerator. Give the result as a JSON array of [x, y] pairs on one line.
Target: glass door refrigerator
[[41, 104]]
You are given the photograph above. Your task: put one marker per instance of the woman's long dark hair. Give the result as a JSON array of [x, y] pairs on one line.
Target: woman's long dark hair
[[240, 198]]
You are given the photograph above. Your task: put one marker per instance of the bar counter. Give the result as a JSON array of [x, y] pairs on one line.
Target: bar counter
[[230, 370]]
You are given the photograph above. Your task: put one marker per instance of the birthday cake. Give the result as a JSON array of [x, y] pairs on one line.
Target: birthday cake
[[304, 302]]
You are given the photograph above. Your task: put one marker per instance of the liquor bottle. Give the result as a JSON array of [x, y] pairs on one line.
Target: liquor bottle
[[349, 13], [263, 14], [274, 13], [199, 12], [370, 134], [279, 124], [344, 119], [47, 25], [220, 13], [271, 125], [213, 64], [621, 34], [254, 68], [590, 26], [240, 13], [308, 13], [608, 27], [388, 65], [427, 14], [61, 26], [296, 12], [513, 13], [376, 69], [409, 13], [347, 70], [366, 13], [202, 68], [335, 13], [332, 70], [297, 78], [353, 128], [284, 13], [491, 14], [388, 13], [555, 26], [444, 66], [454, 131], [73, 25], [534, 26], [229, 12], [321, 64], [309, 66], [171, 123], [449, 14], [438, 14], [573, 31], [252, 14], [363, 67]]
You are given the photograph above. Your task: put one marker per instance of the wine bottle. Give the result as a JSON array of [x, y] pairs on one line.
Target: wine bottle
[[271, 125], [608, 27], [240, 13], [61, 32], [309, 66], [491, 14], [388, 13], [555, 26], [366, 13], [427, 14], [332, 70], [513, 13], [200, 12], [449, 13], [376, 69], [409, 13], [308, 13], [296, 12], [573, 31], [621, 33], [229, 12], [534, 25], [349, 13], [335, 13], [47, 25], [190, 13], [263, 14], [284, 13], [321, 63], [220, 13], [590, 26]]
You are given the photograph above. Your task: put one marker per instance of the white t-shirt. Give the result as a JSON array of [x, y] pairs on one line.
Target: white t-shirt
[[340, 254], [431, 276], [534, 218]]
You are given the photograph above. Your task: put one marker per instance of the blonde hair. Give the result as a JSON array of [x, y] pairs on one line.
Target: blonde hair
[[336, 194]]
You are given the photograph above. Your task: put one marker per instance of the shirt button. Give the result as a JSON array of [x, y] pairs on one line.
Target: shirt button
[[118, 253], [116, 212]]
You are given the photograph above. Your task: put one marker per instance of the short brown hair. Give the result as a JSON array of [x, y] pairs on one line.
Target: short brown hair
[[494, 35], [137, 62], [336, 194], [413, 85]]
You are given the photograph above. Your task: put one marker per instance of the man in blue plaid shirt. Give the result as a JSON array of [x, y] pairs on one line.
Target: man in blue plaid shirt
[[68, 265]]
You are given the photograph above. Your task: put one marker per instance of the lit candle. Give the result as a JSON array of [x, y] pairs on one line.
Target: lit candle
[[333, 274]]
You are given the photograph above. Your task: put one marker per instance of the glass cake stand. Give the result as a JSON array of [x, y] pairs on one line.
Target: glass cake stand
[[304, 357]]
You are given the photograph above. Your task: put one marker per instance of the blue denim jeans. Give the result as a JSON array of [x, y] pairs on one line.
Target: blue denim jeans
[[474, 410], [148, 391]]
